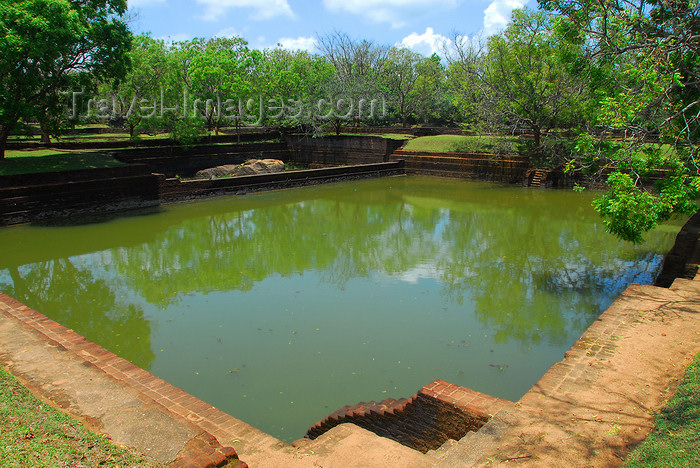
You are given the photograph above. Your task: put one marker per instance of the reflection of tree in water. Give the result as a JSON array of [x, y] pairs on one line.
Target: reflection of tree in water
[[534, 264], [341, 239], [73, 297], [542, 277]]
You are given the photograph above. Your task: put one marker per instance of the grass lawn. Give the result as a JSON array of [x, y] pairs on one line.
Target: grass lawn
[[44, 160], [34, 434], [675, 440], [462, 143]]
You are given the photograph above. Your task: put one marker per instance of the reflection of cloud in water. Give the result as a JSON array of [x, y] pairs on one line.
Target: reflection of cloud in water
[[426, 271]]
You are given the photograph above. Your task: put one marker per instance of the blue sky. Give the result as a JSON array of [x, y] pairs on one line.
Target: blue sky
[[418, 24]]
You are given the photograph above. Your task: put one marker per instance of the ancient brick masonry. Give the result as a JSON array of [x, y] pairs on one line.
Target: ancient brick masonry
[[438, 412]]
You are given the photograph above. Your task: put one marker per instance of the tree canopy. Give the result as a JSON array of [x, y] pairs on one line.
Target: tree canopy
[[52, 45]]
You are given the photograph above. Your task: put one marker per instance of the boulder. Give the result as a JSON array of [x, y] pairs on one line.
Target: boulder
[[250, 167], [260, 166], [218, 171]]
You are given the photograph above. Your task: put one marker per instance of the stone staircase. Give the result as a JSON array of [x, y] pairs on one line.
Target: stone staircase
[[438, 413], [537, 177]]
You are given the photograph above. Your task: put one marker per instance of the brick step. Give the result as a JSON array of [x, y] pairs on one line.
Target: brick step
[[682, 284], [442, 451], [470, 449]]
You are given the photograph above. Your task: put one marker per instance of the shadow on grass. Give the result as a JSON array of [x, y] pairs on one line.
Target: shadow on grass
[[31, 162]]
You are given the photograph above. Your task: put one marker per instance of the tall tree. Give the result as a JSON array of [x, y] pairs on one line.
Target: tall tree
[[359, 66], [48, 43], [292, 82], [153, 77], [431, 94], [521, 76], [401, 76], [218, 70]]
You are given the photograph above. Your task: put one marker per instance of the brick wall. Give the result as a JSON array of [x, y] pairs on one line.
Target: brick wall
[[341, 150], [34, 196], [477, 166], [175, 161]]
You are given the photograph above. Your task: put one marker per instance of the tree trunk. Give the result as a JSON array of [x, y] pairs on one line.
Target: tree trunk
[[45, 137], [4, 133], [537, 134]]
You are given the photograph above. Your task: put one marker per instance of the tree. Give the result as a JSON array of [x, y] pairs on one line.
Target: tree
[[359, 66], [153, 75], [400, 80], [431, 94], [646, 57], [218, 70], [521, 76], [46, 45], [291, 83]]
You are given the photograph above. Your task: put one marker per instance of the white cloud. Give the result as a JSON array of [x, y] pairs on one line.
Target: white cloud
[[298, 43], [497, 14], [263, 9], [227, 32], [427, 43], [143, 3], [394, 12]]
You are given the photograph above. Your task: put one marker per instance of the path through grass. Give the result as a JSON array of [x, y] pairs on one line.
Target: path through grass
[[47, 160]]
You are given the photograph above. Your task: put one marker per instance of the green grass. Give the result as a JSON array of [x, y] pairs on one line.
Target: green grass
[[30, 162], [462, 143], [33, 434], [675, 440]]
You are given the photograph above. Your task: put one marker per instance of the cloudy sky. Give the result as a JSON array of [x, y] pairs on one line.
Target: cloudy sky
[[418, 24]]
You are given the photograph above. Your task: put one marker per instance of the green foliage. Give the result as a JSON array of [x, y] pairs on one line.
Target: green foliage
[[188, 131], [629, 211], [153, 76], [644, 64], [674, 440], [49, 45], [521, 80]]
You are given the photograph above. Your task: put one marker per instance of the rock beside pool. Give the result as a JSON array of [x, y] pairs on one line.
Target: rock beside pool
[[261, 166], [219, 171], [250, 167]]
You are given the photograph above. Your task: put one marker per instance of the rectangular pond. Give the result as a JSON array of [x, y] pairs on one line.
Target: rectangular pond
[[281, 307]]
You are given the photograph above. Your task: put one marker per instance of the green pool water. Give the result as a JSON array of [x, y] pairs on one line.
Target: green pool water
[[281, 307]]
